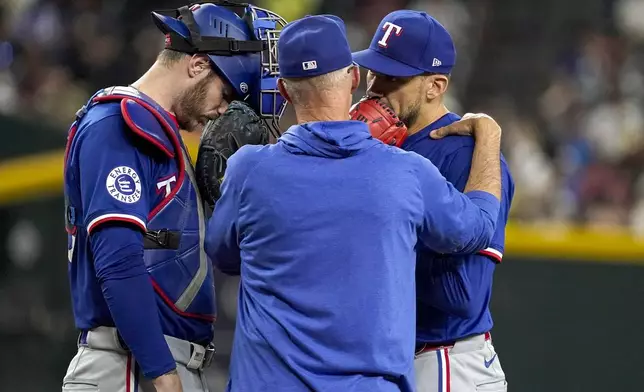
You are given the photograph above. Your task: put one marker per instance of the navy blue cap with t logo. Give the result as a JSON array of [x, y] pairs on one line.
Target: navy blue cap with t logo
[[409, 43]]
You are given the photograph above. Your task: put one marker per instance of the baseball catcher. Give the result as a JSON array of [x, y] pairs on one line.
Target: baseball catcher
[[142, 287]]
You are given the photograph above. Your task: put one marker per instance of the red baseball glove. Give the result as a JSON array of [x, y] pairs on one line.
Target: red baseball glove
[[383, 123]]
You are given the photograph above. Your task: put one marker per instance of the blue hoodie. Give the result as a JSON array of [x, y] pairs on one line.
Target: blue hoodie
[[322, 227]]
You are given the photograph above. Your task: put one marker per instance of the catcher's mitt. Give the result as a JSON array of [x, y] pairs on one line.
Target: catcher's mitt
[[383, 123], [221, 138]]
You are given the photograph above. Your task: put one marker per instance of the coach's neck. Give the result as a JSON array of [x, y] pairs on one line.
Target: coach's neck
[[322, 111], [325, 97]]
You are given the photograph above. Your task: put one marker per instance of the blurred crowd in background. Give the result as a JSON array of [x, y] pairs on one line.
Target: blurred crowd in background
[[564, 78]]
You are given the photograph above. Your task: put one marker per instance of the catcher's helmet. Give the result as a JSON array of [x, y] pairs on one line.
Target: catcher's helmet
[[241, 41]]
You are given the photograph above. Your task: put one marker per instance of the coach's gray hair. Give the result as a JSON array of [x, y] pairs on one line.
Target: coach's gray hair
[[302, 90]]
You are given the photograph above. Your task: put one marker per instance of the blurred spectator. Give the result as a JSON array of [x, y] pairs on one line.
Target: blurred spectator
[[565, 79], [8, 88]]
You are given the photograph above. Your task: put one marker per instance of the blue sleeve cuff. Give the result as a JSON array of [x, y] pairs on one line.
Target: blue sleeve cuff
[[486, 201]]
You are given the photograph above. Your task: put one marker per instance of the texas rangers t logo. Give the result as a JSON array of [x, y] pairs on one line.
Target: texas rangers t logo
[[166, 185], [388, 27]]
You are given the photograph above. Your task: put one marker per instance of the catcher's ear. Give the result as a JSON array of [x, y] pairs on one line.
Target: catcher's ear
[[198, 64], [282, 90]]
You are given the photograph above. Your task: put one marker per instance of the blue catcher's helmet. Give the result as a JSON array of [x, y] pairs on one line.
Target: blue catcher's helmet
[[241, 41]]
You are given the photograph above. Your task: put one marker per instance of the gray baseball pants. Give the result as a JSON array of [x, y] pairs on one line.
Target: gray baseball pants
[[470, 365], [102, 364]]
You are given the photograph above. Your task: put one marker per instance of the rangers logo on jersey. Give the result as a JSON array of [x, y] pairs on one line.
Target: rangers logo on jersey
[[165, 185]]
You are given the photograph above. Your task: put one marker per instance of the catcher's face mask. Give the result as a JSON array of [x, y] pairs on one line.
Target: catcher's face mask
[[267, 26], [241, 41]]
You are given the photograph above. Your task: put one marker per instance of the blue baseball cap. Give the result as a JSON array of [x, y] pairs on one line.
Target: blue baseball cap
[[312, 46], [409, 43]]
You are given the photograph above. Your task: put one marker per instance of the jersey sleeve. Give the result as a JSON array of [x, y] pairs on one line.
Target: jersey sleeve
[[128, 292], [114, 176], [460, 284], [457, 172], [453, 222]]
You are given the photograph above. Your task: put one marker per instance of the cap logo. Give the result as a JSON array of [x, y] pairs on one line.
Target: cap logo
[[436, 62], [389, 27], [309, 65]]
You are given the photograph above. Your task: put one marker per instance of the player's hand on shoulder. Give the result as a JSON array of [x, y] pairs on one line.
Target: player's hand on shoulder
[[471, 124], [169, 382]]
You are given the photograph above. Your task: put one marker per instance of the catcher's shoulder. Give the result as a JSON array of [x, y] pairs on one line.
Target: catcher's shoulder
[[113, 126], [101, 128]]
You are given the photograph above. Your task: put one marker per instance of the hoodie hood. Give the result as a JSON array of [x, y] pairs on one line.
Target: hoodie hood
[[332, 139]]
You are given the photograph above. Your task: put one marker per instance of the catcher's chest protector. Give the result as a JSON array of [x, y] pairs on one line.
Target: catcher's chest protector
[[174, 243]]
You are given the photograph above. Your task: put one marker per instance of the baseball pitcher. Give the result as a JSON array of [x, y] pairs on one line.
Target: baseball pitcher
[[454, 350]]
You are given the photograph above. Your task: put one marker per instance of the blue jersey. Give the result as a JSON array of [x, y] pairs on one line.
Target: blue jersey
[[454, 291], [124, 168], [322, 227]]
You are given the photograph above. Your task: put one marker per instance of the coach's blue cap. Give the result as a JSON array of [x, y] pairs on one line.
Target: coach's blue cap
[[313, 45], [409, 43]]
